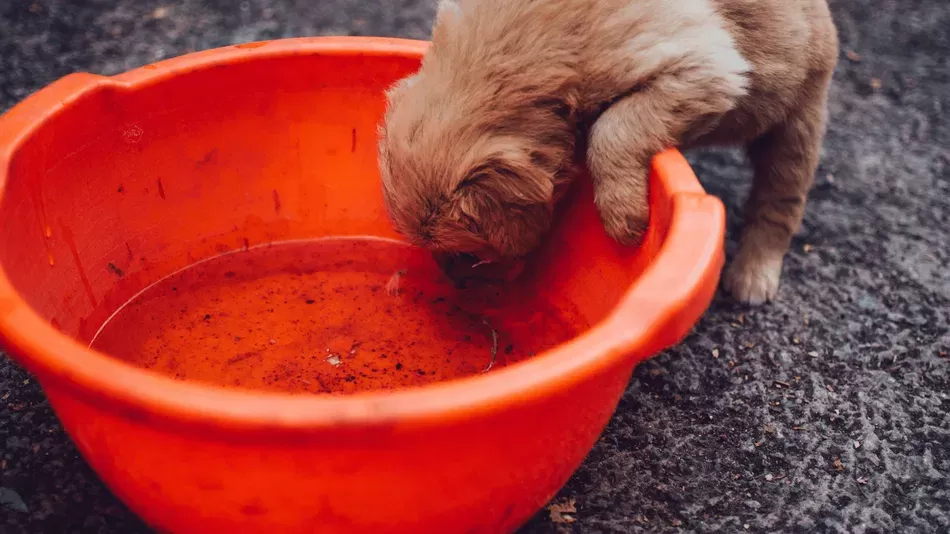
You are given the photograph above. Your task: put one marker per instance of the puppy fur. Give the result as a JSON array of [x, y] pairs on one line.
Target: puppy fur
[[477, 147]]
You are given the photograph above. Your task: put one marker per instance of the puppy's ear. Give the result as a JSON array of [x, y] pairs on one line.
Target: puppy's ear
[[447, 16], [508, 201], [512, 175]]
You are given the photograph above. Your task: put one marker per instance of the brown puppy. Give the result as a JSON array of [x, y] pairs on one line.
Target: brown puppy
[[477, 146]]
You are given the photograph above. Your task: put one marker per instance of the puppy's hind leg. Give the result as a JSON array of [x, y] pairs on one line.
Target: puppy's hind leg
[[784, 162]]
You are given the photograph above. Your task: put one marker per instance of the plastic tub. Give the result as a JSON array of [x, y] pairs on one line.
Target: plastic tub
[[108, 184]]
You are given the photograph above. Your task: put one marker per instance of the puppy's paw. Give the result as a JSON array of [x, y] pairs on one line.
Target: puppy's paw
[[753, 281], [625, 222]]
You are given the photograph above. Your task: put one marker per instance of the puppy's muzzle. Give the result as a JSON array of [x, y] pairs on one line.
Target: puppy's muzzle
[[466, 269]]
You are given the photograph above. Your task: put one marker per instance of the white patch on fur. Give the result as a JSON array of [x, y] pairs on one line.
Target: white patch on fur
[[674, 31], [448, 8], [411, 81]]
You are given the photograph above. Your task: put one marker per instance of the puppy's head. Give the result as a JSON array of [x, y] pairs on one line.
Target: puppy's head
[[471, 179]]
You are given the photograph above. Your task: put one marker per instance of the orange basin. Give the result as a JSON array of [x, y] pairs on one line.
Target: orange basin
[[110, 185]]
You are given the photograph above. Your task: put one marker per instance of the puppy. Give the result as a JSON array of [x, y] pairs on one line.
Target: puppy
[[477, 147]]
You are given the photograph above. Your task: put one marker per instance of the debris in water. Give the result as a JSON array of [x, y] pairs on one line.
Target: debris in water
[[242, 357], [392, 286], [334, 360], [494, 345]]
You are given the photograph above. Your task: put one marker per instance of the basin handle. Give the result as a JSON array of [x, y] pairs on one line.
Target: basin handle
[[20, 122], [675, 291]]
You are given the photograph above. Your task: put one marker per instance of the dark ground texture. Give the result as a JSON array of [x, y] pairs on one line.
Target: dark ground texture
[[828, 411]]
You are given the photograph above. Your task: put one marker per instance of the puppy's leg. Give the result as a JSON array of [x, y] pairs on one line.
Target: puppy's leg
[[619, 166], [784, 162], [631, 131]]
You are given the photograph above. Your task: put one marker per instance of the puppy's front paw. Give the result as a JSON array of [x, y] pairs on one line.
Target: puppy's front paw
[[625, 222], [753, 281]]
